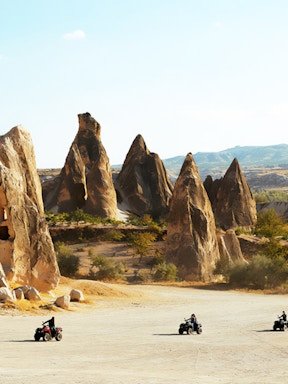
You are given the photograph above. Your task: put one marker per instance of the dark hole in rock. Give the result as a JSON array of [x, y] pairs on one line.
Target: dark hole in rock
[[4, 233]]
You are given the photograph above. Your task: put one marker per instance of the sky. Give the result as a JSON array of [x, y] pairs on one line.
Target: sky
[[188, 75]]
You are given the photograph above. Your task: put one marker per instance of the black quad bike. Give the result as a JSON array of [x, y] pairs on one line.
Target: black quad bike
[[46, 333], [280, 324], [189, 327]]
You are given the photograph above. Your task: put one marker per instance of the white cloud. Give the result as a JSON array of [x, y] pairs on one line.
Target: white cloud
[[75, 35], [218, 24]]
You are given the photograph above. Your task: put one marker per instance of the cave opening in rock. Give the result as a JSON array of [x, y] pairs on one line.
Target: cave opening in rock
[[4, 233], [7, 234]]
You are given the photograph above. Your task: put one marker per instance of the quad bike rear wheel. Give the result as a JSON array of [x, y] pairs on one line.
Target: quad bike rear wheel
[[180, 331], [47, 337], [36, 337]]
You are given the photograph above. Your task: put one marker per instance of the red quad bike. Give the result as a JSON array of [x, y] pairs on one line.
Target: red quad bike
[[46, 333]]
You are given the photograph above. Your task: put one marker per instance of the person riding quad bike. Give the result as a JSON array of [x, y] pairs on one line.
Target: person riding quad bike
[[51, 324], [281, 323], [191, 325]]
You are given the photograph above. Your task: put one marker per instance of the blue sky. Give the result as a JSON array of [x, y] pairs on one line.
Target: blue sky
[[188, 75]]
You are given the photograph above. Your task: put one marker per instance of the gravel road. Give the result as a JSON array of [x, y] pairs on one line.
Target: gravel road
[[136, 341]]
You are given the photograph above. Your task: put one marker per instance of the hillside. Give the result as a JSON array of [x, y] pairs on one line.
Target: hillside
[[249, 157], [265, 167]]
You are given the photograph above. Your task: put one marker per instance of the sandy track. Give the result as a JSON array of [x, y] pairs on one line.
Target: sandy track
[[136, 342]]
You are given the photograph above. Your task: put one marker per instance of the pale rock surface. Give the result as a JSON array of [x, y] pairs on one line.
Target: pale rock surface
[[76, 295], [6, 295], [63, 301], [85, 181], [19, 294], [26, 249], [229, 247], [191, 235], [32, 294], [3, 280]]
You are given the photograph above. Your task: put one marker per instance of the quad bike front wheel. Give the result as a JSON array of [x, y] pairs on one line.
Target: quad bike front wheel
[[199, 331], [190, 331], [58, 336], [47, 337]]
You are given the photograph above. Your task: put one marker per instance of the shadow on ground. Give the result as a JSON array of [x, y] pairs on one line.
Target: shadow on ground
[[264, 330], [166, 334], [20, 341]]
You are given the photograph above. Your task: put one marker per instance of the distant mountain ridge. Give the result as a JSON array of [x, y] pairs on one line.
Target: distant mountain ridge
[[248, 156]]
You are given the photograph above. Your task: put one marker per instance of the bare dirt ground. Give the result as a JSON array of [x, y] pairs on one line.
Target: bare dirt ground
[[134, 340]]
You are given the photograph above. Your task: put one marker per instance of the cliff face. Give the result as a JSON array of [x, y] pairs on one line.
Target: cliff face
[[143, 185], [191, 235], [26, 249], [85, 180]]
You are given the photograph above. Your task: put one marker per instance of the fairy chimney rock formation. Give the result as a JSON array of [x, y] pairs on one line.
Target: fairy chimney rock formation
[[85, 181], [191, 235], [143, 185], [26, 249], [234, 204]]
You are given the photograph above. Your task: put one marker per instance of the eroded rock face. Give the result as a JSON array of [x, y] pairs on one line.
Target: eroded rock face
[[143, 185], [234, 204], [191, 234], [229, 247], [26, 249], [85, 182]]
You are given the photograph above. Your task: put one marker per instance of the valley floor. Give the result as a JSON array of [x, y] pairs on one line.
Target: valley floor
[[134, 340]]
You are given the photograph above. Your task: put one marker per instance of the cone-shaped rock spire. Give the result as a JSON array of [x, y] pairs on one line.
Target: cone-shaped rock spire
[[191, 235], [234, 204], [86, 180], [143, 185]]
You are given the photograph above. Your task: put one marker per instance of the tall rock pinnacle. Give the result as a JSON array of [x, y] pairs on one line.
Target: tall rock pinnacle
[[234, 204], [143, 185], [85, 180], [191, 236]]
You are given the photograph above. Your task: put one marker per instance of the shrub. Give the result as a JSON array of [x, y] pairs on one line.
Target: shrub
[[78, 215], [105, 269], [270, 196], [165, 272], [113, 235], [269, 224], [68, 265], [67, 262], [141, 242], [262, 272]]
